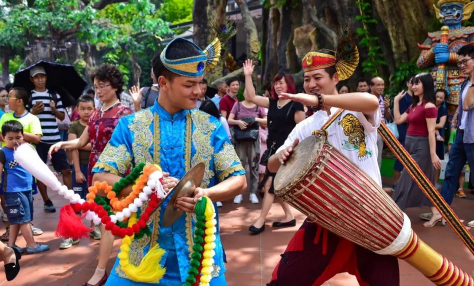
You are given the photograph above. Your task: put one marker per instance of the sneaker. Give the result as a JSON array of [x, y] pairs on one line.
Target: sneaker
[[219, 204], [253, 199], [6, 235], [39, 248], [19, 249], [4, 217], [238, 199], [49, 207], [426, 216], [460, 193], [95, 233], [68, 243]]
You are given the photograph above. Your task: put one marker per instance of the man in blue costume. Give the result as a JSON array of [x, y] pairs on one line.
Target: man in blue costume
[[175, 136]]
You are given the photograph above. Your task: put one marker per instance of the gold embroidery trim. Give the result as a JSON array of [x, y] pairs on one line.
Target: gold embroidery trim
[[224, 161], [142, 137], [110, 154]]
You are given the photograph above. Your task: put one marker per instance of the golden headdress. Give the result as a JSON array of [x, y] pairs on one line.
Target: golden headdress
[[466, 11], [345, 58]]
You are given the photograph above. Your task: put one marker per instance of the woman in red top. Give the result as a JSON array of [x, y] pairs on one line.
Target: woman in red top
[[108, 84], [420, 141]]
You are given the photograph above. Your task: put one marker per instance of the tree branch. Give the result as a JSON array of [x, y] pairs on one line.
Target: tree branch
[[103, 3], [323, 28]]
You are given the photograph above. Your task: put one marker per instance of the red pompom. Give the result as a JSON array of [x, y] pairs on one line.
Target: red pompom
[[109, 225], [92, 206], [129, 231], [116, 230], [70, 225], [85, 206], [122, 232], [102, 213], [97, 209], [141, 223], [136, 228], [145, 217], [153, 204], [77, 208], [105, 219], [149, 210]]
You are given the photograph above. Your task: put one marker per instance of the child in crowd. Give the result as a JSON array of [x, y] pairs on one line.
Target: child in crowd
[[18, 193], [17, 100], [80, 158]]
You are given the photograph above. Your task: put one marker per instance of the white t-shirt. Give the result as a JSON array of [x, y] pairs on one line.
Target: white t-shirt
[[351, 133], [226, 126], [463, 124]]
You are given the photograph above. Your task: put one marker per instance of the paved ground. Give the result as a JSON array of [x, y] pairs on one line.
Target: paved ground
[[251, 258]]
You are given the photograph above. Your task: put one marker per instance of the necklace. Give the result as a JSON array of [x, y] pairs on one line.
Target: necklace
[[281, 106], [108, 108]]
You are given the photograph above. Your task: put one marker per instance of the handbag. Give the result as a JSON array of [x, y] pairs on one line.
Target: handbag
[[251, 132], [393, 128]]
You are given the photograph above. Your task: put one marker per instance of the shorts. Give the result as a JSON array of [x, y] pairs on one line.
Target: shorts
[[58, 159], [81, 189], [19, 207]]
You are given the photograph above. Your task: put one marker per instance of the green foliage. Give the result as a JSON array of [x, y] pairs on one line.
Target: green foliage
[[14, 64], [374, 55], [177, 11]]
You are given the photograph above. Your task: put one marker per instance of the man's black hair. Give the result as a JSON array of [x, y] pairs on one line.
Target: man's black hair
[[331, 71], [204, 81], [11, 126], [231, 80], [23, 94], [467, 50], [362, 80], [177, 50]]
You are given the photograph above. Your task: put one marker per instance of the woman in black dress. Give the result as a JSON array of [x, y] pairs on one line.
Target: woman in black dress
[[283, 115]]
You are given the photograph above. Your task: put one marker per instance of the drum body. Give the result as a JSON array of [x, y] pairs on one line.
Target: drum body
[[335, 193]]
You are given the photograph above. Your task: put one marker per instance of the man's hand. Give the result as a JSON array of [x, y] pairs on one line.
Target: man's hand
[[248, 67], [305, 99], [169, 182], [284, 154], [136, 94], [187, 204], [38, 107], [80, 177], [52, 104]]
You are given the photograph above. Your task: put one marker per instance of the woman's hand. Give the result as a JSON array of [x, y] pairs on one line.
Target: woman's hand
[[436, 162], [248, 67], [54, 148], [400, 95], [242, 124]]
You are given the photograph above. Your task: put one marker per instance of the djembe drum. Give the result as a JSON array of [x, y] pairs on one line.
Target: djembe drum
[[335, 193]]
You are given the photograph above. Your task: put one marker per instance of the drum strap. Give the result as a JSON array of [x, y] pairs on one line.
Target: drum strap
[[426, 186], [332, 119]]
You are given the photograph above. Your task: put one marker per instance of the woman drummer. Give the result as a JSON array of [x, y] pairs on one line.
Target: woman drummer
[[283, 115], [420, 141]]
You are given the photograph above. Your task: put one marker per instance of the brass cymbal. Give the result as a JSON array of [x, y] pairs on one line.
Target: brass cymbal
[[185, 188]]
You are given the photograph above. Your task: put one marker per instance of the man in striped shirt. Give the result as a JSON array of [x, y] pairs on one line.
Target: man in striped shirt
[[47, 107]]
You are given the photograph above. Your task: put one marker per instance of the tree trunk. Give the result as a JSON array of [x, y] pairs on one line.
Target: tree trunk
[[253, 44], [5, 65], [137, 70], [207, 13]]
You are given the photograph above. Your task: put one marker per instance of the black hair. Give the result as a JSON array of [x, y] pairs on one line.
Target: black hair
[[343, 85], [429, 94], [23, 94], [11, 126], [443, 91], [410, 78], [8, 86], [175, 51], [111, 74], [204, 81], [210, 108], [362, 80], [90, 91], [467, 50], [267, 87], [85, 99], [331, 71], [231, 80]]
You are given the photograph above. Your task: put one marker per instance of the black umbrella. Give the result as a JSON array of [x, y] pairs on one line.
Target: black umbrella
[[62, 79]]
